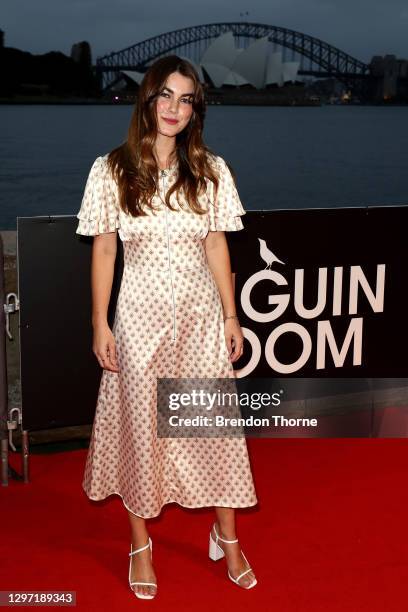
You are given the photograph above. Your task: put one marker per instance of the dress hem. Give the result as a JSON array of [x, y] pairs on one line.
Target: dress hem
[[170, 501]]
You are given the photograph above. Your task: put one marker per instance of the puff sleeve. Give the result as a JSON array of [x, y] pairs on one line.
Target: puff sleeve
[[99, 211], [226, 209]]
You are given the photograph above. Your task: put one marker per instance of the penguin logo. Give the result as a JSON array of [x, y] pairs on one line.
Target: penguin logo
[[267, 255]]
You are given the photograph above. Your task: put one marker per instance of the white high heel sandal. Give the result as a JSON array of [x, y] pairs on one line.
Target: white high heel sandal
[[215, 553], [133, 552]]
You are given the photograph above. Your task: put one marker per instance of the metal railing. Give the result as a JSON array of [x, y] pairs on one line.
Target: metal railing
[[10, 421]]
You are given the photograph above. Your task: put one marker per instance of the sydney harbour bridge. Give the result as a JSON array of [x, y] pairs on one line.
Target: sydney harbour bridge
[[316, 57]]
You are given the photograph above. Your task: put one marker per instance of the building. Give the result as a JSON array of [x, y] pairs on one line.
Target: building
[[389, 77]]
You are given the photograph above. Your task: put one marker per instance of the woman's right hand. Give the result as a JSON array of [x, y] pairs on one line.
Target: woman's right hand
[[104, 347]]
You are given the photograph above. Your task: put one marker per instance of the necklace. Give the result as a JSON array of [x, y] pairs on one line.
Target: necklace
[[167, 167]]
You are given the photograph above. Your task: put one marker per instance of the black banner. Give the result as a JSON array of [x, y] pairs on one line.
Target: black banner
[[322, 292]]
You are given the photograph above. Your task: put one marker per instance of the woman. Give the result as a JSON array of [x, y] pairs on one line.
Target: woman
[[170, 199]]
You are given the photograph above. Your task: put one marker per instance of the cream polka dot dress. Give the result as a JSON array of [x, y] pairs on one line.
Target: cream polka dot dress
[[168, 324]]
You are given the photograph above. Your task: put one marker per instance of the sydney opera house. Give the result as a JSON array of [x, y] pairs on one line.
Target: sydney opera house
[[224, 64]]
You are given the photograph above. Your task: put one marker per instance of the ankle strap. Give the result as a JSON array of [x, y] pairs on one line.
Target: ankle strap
[[222, 539], [138, 549]]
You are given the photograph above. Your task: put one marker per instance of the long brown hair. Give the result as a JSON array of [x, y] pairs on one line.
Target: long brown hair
[[133, 163]]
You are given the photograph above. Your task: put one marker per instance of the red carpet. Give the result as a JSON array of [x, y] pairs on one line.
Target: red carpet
[[329, 534]]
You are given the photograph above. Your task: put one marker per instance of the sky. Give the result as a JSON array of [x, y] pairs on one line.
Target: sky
[[362, 28]]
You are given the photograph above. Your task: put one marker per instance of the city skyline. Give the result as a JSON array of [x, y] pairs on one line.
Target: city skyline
[[362, 28]]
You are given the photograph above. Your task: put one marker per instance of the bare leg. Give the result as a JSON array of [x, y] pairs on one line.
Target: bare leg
[[142, 569], [225, 526]]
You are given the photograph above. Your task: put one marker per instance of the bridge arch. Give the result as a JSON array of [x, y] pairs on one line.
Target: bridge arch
[[324, 59]]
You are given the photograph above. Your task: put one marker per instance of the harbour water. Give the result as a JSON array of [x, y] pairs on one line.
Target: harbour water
[[283, 157]]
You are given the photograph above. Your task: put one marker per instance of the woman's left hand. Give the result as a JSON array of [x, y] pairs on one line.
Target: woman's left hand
[[234, 339]]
